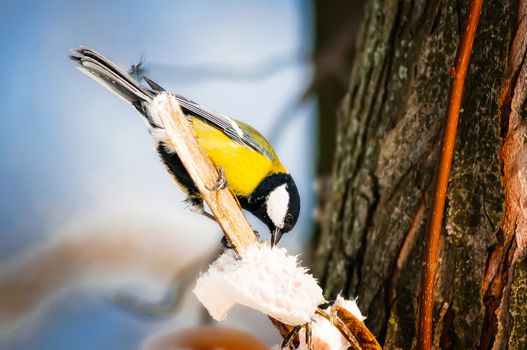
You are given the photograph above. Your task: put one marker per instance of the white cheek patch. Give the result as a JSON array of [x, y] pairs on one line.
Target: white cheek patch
[[277, 203]]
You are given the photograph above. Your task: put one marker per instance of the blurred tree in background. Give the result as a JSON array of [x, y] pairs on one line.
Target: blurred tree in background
[[388, 132], [336, 25]]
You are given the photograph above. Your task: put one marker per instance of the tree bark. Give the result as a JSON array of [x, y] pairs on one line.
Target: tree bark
[[388, 136]]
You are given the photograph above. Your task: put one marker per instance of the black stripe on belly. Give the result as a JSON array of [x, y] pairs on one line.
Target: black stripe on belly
[[176, 168]]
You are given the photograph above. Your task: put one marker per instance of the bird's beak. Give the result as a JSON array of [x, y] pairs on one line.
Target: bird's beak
[[276, 236]]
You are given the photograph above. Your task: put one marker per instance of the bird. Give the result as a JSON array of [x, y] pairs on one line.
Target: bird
[[247, 162]]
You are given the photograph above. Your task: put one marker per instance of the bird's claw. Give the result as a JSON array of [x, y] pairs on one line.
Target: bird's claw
[[221, 183], [227, 244], [197, 207]]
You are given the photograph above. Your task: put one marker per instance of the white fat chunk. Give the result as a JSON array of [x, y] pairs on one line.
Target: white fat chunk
[[265, 279]]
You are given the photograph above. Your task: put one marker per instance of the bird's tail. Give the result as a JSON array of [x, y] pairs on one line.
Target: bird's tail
[[112, 77]]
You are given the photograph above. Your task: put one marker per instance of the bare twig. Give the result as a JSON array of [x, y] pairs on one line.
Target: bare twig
[[203, 172], [178, 287], [406, 248], [341, 326], [359, 330], [431, 263], [255, 71]]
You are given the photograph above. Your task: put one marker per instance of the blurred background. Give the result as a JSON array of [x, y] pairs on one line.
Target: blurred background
[[95, 237]]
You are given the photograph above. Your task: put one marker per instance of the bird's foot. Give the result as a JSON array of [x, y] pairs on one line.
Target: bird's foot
[[197, 207], [227, 244], [208, 216], [221, 183]]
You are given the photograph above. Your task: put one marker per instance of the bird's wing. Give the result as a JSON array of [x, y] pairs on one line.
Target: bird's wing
[[229, 126]]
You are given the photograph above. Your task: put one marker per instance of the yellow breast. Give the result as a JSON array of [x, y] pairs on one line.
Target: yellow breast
[[244, 167]]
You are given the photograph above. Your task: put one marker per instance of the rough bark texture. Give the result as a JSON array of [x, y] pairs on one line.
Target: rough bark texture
[[388, 135]]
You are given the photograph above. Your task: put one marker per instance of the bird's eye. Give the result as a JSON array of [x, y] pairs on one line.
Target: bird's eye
[[288, 218]]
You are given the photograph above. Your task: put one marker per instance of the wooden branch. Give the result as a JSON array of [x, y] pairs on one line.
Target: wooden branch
[[203, 172], [431, 264]]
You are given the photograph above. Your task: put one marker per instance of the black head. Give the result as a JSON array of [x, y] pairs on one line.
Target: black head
[[275, 202]]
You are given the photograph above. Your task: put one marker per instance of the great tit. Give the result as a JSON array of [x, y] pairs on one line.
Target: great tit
[[248, 162]]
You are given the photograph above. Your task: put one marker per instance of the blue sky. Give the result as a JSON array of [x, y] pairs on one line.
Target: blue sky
[[68, 146]]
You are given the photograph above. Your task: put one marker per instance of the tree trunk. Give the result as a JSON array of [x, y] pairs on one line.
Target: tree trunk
[[389, 129]]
